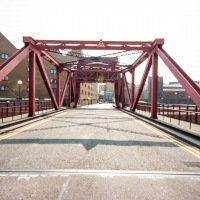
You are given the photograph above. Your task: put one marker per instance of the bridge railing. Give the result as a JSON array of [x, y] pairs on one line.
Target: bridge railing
[[182, 112], [10, 111]]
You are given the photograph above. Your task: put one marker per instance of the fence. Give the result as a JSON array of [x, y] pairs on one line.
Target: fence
[[11, 110], [188, 113]]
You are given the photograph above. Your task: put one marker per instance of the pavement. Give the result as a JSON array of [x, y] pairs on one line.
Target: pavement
[[96, 152]]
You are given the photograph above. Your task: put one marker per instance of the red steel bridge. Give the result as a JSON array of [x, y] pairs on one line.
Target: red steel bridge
[[104, 68]]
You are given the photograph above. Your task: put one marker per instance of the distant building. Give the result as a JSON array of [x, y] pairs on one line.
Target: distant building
[[174, 93], [106, 92]]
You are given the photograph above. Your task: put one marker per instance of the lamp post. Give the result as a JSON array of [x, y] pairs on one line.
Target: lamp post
[[19, 82]]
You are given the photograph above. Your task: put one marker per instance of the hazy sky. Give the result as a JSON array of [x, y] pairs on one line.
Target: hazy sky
[[177, 21]]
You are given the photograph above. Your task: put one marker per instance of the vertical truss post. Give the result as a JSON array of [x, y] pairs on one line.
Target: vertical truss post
[[132, 87], [32, 79], [127, 89], [154, 88], [46, 81], [74, 86], [70, 91], [116, 94], [65, 88], [77, 94], [58, 87], [122, 96]]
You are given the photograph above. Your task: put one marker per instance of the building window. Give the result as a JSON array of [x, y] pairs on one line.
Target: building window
[[85, 92], [82, 91], [53, 71], [4, 56], [27, 69], [53, 80], [3, 88], [5, 78], [85, 85], [28, 79]]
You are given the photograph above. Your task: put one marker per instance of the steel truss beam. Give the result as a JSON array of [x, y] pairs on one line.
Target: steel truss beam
[[64, 89], [127, 89], [142, 83], [32, 81], [189, 85], [96, 76], [119, 92], [13, 61], [46, 81], [84, 72], [73, 91]]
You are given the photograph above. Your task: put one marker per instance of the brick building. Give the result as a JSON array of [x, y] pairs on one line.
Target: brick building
[[174, 93], [10, 89]]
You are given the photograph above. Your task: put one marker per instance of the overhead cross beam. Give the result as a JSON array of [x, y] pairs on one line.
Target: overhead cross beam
[[91, 45]]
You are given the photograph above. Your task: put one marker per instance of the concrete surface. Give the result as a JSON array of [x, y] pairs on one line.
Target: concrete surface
[[105, 144]]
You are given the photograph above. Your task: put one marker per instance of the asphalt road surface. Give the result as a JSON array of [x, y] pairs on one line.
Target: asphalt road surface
[[96, 152]]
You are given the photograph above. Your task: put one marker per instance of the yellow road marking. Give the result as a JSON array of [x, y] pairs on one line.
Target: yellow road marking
[[26, 127], [187, 147]]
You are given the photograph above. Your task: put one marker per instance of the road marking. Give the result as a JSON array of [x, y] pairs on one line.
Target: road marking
[[64, 189], [187, 147], [68, 172], [26, 127]]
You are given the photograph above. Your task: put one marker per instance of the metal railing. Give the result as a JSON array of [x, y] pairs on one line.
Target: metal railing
[[187, 113], [10, 111]]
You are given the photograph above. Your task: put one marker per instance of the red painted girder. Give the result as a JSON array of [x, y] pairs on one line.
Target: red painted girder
[[122, 95], [140, 60], [82, 47], [142, 83], [49, 58], [46, 80], [93, 65], [89, 42], [127, 89], [154, 88], [13, 61], [96, 80], [74, 85], [58, 72], [32, 81], [89, 72], [29, 40], [69, 90], [77, 93], [98, 70], [116, 95], [190, 86], [132, 87], [158, 42], [64, 89]]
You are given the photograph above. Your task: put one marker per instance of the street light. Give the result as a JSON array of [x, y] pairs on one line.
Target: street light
[[19, 82]]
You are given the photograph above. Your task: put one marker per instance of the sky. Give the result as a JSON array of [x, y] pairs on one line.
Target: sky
[[177, 21]]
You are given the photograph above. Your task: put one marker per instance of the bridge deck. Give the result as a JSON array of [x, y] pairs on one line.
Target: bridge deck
[[96, 152]]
